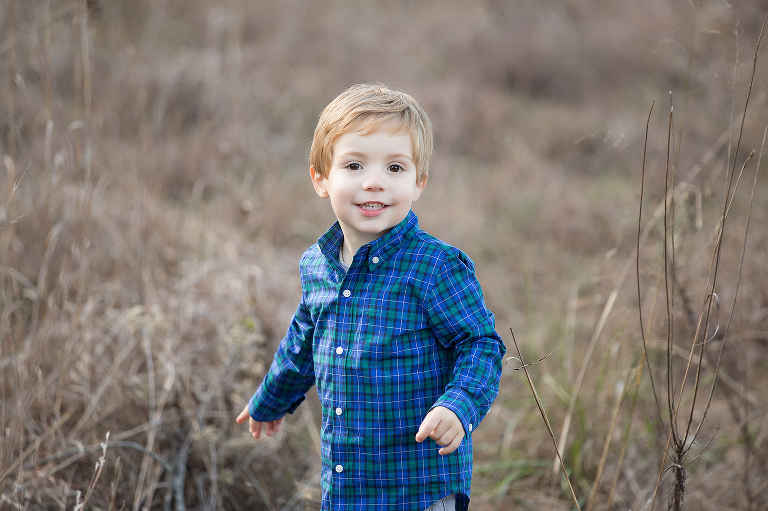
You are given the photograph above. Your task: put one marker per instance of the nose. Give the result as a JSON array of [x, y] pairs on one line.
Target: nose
[[374, 180]]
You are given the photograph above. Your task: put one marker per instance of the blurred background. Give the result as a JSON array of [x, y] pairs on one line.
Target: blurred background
[[156, 203]]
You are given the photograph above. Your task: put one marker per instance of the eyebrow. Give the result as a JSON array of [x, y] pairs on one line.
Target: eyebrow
[[356, 154]]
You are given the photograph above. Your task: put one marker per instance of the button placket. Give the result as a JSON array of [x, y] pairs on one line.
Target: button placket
[[345, 304]]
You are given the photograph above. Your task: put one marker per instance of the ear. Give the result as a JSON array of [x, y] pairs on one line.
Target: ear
[[418, 188], [318, 182]]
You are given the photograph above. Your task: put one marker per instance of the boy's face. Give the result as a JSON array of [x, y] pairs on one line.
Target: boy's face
[[371, 183]]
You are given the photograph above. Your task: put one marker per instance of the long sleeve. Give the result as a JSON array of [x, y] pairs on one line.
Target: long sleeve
[[291, 374], [461, 321]]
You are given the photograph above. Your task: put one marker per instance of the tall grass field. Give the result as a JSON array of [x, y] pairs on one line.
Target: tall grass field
[[602, 163]]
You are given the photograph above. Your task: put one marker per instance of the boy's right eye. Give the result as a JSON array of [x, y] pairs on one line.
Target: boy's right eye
[[353, 166]]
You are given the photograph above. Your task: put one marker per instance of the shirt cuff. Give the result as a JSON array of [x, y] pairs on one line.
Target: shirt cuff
[[457, 401], [263, 412]]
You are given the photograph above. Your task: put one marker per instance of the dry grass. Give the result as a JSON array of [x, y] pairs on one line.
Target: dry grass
[[158, 202]]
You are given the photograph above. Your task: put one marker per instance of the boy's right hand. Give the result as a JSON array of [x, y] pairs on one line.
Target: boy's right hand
[[270, 428], [444, 427]]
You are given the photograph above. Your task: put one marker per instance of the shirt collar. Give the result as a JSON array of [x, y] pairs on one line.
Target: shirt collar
[[379, 249]]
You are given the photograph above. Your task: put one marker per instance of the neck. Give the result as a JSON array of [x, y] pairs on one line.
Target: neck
[[347, 252], [353, 241]]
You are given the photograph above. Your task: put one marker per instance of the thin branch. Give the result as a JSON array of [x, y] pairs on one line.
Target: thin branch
[[711, 286], [736, 293], [637, 256], [544, 416], [657, 214], [670, 372], [523, 366], [712, 296], [726, 208], [99, 467], [703, 448]]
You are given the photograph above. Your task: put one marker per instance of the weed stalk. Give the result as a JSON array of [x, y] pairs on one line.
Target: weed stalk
[[680, 440], [524, 367]]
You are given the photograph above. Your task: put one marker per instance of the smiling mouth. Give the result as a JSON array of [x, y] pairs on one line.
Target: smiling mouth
[[372, 206]]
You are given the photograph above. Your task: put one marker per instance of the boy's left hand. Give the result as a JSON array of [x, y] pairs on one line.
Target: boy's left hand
[[442, 426], [270, 428]]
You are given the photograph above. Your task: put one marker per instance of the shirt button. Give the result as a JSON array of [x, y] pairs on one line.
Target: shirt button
[[339, 469], [338, 411], [339, 350], [470, 428], [375, 260], [347, 293]]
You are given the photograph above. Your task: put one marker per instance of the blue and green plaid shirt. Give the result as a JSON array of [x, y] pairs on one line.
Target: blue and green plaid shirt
[[405, 329]]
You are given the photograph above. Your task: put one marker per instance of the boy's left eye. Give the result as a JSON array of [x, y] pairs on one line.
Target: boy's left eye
[[395, 168]]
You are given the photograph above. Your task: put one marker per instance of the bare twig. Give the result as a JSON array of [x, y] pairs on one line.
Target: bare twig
[[681, 444], [637, 256], [523, 366], [650, 224], [99, 467], [669, 293], [544, 416], [718, 245]]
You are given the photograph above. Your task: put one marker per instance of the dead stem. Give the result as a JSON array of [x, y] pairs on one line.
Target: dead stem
[[682, 445], [668, 199], [723, 221], [544, 416], [637, 257]]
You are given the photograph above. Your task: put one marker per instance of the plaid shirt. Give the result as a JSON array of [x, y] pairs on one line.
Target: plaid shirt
[[405, 329]]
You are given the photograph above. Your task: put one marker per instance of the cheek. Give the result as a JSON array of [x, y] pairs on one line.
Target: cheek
[[338, 195]]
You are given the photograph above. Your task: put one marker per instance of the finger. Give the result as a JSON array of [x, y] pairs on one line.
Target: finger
[[279, 424], [448, 449], [269, 428], [244, 415], [440, 431], [444, 439], [428, 425], [255, 428], [449, 435]]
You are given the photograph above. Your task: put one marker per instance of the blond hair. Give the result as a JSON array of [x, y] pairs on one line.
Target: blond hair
[[366, 108]]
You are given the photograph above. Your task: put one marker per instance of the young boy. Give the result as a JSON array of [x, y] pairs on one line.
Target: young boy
[[391, 326]]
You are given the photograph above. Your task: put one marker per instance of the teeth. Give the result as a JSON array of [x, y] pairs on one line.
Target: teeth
[[372, 205]]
